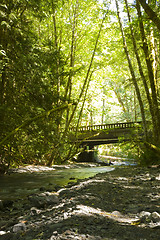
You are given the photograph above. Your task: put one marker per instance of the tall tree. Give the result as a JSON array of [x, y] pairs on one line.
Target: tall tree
[[132, 74], [140, 65], [156, 114]]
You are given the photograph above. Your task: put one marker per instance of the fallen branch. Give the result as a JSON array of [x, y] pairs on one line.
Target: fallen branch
[[29, 121]]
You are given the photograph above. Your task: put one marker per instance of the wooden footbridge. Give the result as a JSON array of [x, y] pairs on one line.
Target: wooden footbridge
[[106, 133]]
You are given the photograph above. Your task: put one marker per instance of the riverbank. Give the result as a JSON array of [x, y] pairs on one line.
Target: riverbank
[[118, 205]]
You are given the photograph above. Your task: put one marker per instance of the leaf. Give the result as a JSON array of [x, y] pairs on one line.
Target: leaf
[[4, 6], [2, 52], [136, 222], [2, 14], [5, 24], [12, 16]]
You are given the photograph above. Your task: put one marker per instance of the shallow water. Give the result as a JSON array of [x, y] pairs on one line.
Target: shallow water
[[19, 185]]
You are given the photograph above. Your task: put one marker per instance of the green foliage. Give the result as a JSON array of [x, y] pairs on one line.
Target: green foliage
[[45, 53], [35, 68]]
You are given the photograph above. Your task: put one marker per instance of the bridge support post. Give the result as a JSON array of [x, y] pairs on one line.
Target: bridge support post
[[88, 154]]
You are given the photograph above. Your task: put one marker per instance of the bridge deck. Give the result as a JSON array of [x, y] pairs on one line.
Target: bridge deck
[[123, 125], [94, 135]]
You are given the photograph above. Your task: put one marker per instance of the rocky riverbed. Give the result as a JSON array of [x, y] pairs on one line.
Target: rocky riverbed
[[118, 205]]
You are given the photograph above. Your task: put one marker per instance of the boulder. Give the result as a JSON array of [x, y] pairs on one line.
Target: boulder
[[2, 233], [155, 217], [145, 216], [35, 211], [44, 199], [19, 227]]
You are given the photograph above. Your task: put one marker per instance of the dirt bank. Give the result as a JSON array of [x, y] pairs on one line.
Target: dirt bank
[[122, 204]]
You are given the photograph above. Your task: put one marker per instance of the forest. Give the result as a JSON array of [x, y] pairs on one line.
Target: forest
[[71, 63]]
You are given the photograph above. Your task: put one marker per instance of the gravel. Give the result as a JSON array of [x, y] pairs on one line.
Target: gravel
[[118, 205]]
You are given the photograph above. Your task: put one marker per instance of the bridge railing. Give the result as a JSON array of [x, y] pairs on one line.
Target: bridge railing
[[123, 125]]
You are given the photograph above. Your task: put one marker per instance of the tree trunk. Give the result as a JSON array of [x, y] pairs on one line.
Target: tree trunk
[[120, 100], [156, 115], [140, 65], [103, 108], [153, 57], [72, 56], [133, 74]]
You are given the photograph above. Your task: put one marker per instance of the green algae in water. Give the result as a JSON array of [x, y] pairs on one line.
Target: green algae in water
[[19, 185]]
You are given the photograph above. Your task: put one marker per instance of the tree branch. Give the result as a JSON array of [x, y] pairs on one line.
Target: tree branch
[[151, 14]]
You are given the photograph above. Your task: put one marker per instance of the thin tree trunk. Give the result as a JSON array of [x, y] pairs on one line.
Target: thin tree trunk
[[86, 78], [4, 36], [132, 74], [80, 115], [2, 86], [2, 100], [156, 64], [153, 56], [72, 56], [84, 99], [103, 106], [120, 100], [135, 109], [58, 117]]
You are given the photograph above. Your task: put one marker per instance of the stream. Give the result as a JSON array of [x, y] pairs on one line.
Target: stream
[[20, 184]]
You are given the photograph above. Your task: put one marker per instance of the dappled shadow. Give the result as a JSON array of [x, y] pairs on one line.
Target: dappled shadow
[[106, 207], [91, 223], [132, 194]]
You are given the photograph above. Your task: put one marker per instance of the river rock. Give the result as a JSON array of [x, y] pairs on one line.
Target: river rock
[[144, 213], [145, 216], [19, 227], [116, 213], [155, 217], [35, 211], [44, 199], [2, 233]]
